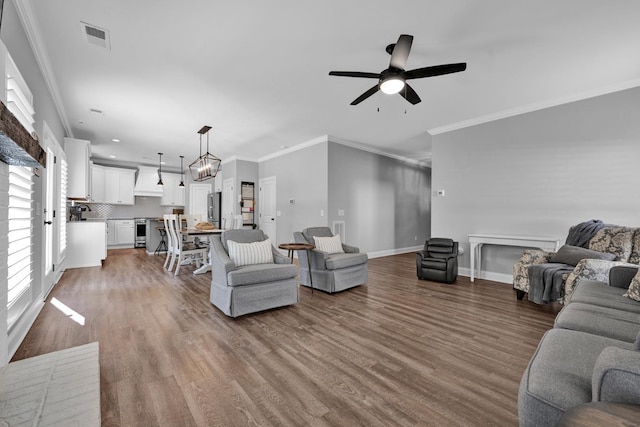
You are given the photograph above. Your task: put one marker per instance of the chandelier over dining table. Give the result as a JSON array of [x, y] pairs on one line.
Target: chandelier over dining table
[[206, 166]]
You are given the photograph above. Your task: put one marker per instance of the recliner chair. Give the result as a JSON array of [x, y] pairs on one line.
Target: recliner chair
[[438, 261]]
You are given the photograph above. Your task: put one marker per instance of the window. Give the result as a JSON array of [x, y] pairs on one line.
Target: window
[[20, 252]]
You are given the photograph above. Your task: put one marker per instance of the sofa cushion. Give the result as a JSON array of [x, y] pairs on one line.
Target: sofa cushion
[[634, 258], [330, 245], [261, 273], [634, 288], [572, 255], [597, 320], [241, 236], [614, 240], [250, 253], [559, 375], [599, 293], [337, 261]]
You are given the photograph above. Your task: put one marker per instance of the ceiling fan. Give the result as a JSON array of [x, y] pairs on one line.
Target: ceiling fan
[[393, 79]]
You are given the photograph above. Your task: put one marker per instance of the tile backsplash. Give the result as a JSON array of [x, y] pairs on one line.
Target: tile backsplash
[[145, 207]]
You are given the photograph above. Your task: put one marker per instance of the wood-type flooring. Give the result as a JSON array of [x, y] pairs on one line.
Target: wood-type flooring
[[396, 352]]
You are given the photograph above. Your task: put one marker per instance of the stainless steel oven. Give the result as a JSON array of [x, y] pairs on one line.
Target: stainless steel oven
[[141, 232]]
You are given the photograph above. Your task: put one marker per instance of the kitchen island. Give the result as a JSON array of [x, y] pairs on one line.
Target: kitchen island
[[86, 244]]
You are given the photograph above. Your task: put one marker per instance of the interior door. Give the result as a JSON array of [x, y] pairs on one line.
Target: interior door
[[228, 196], [50, 212], [198, 194], [267, 204]]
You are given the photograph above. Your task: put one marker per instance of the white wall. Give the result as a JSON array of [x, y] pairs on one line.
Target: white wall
[[539, 173], [17, 44]]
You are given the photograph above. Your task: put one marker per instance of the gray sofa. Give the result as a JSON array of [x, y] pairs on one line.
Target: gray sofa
[[591, 354], [238, 290], [330, 272]]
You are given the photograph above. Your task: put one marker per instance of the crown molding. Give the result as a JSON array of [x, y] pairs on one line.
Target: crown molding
[[32, 29], [297, 147], [363, 147], [347, 143], [234, 158], [629, 84]]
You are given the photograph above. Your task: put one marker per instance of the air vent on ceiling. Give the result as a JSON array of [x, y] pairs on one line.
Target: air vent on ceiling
[[96, 35]]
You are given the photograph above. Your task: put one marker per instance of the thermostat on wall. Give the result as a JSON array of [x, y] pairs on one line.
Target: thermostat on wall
[[440, 193]]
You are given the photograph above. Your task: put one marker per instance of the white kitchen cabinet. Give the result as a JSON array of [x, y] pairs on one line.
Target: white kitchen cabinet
[[97, 194], [125, 232], [111, 232], [78, 152], [119, 185], [172, 195]]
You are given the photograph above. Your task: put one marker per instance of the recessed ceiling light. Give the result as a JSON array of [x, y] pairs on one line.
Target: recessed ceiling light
[[81, 122], [162, 163], [115, 140], [112, 156]]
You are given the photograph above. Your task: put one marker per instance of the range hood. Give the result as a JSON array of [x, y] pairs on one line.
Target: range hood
[[146, 184]]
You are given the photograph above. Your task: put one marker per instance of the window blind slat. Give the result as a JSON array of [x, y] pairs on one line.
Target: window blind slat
[[20, 248]]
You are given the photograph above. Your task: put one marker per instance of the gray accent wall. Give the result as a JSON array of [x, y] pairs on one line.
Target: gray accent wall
[[302, 176], [538, 173], [385, 202]]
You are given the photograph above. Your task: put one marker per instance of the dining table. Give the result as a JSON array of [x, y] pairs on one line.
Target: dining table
[[206, 266]]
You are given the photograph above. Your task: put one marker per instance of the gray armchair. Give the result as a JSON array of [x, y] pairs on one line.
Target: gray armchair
[[238, 290], [438, 261], [330, 272]]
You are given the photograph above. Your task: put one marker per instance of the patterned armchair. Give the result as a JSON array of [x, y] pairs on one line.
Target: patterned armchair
[[623, 242]]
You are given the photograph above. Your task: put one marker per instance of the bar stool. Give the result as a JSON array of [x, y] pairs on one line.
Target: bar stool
[[162, 246]]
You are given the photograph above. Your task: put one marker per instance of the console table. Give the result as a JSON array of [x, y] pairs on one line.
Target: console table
[[477, 240]]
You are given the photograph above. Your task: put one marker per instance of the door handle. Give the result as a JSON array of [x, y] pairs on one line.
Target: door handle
[[48, 222]]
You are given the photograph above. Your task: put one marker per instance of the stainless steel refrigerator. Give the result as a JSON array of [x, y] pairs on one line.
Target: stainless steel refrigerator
[[214, 208]]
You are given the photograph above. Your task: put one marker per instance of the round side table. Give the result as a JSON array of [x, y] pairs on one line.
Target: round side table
[[291, 247]]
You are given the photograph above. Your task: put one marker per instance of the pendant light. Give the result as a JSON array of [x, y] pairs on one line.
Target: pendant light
[[181, 185], [160, 171], [206, 166]]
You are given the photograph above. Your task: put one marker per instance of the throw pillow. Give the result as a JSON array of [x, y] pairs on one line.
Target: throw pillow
[[250, 253], [572, 255], [634, 288], [331, 245]]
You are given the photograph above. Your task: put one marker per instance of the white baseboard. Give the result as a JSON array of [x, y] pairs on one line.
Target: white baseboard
[[390, 252], [19, 332], [488, 275]]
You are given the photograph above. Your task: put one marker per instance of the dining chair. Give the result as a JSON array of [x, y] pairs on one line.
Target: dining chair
[[182, 250], [189, 221], [169, 236]]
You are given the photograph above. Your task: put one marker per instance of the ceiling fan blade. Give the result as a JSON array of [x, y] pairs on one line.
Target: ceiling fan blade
[[365, 95], [436, 70], [401, 51], [355, 74], [409, 94]]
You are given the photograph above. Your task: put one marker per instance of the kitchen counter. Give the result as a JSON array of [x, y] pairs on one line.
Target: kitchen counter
[[86, 244]]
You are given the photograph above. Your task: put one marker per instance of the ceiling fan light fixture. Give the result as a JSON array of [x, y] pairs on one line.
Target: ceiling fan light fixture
[[392, 85]]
